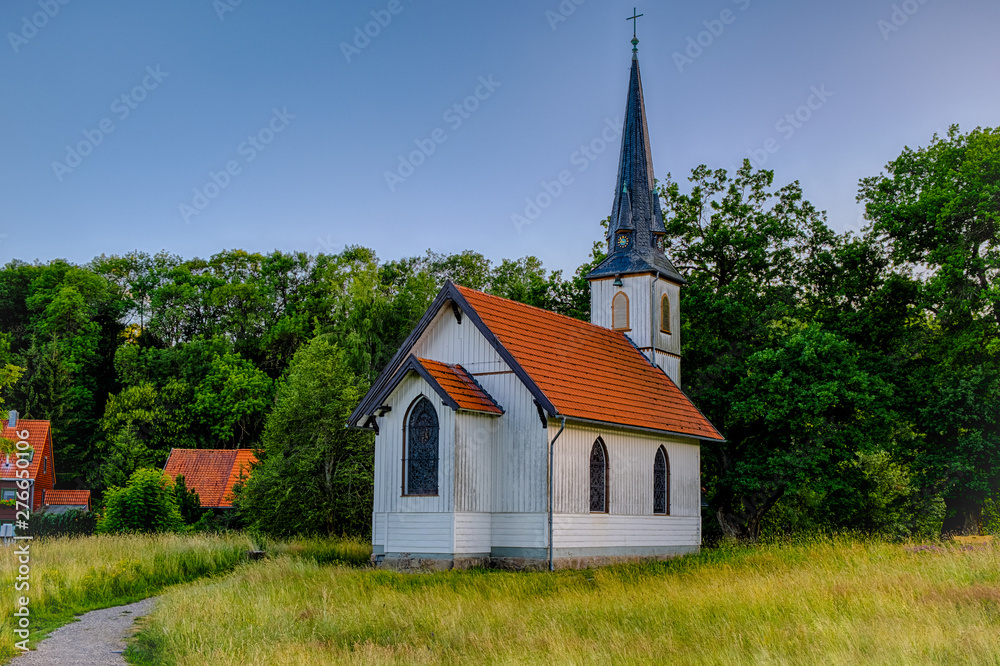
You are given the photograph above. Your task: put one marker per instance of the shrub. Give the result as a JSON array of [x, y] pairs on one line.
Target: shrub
[[146, 504], [72, 523]]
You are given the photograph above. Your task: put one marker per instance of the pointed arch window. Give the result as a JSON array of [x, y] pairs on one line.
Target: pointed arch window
[[420, 453], [661, 483], [665, 314], [619, 312], [598, 478]]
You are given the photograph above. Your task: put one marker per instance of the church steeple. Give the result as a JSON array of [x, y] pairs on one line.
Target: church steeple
[[636, 231], [636, 289]]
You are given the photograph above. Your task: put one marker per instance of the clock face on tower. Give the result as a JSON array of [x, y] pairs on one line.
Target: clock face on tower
[[623, 241]]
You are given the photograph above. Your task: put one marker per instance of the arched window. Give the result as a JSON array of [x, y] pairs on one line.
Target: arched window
[[598, 478], [420, 456], [619, 312], [665, 314], [661, 483]]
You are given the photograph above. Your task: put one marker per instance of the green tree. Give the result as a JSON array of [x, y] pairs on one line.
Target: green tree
[[233, 401], [146, 504], [937, 211], [188, 502], [315, 475]]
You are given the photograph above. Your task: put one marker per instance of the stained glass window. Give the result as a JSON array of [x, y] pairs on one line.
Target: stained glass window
[[661, 483], [598, 478], [421, 463]]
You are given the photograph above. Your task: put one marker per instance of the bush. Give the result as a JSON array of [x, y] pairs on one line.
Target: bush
[[146, 504], [72, 523]]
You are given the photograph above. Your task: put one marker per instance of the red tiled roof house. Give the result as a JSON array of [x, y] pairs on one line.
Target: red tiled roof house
[[212, 473], [510, 435], [29, 476]]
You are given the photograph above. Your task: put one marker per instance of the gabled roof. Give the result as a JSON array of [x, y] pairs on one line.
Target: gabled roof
[[455, 386], [212, 473], [572, 368], [461, 387], [38, 434], [67, 497]]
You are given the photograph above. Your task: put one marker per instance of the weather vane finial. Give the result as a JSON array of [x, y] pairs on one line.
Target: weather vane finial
[[635, 19]]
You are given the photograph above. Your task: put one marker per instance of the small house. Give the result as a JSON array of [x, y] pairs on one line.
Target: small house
[[211, 473]]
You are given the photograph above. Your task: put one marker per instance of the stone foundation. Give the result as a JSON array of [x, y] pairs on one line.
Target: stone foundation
[[421, 563]]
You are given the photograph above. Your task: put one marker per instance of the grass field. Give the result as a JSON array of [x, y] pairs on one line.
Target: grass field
[[834, 602], [73, 575]]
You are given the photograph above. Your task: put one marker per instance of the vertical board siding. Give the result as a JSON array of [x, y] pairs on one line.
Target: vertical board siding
[[670, 343], [637, 288], [630, 472], [389, 452], [670, 365], [474, 436]]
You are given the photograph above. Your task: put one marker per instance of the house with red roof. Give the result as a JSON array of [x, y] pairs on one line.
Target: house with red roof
[[27, 465], [211, 473], [513, 436]]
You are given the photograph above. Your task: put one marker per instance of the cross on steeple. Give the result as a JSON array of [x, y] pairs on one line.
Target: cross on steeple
[[635, 19]]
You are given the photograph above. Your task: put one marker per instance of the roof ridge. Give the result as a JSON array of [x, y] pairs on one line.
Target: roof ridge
[[535, 307]]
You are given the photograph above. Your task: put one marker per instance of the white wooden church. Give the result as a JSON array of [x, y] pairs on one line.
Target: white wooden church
[[511, 436]]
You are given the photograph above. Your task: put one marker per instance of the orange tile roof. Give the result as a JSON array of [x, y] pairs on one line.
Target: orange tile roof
[[38, 433], [587, 371], [68, 497], [461, 386], [210, 472]]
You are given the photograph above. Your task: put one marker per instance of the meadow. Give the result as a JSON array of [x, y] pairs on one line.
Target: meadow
[[72, 575], [825, 602]]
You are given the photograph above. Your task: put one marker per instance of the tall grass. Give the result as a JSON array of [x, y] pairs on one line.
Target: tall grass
[[829, 602], [71, 575]]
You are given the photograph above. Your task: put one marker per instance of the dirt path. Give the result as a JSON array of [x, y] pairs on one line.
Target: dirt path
[[96, 640]]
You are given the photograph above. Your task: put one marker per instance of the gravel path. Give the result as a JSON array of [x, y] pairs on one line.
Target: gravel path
[[96, 640]]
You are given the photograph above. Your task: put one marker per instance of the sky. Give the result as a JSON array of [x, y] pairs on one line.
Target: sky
[[405, 125]]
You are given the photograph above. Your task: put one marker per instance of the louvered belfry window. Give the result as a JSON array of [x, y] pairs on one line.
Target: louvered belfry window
[[619, 312], [598, 478], [661, 483], [665, 314], [421, 461]]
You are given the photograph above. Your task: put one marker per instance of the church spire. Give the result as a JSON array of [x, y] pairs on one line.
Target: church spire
[[636, 230]]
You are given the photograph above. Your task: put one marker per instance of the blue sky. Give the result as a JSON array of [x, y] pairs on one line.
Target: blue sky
[[253, 126]]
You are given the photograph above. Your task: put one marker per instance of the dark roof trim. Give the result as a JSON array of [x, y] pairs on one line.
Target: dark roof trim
[[619, 426], [368, 404], [448, 293], [413, 364]]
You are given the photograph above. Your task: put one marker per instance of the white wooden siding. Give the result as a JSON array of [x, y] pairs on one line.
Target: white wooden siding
[[672, 342], [379, 523], [610, 531], [630, 471], [517, 472], [473, 532], [420, 533], [520, 530], [389, 452]]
